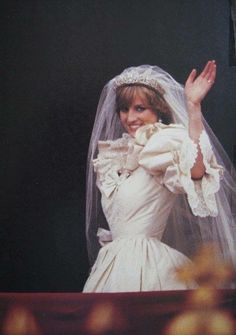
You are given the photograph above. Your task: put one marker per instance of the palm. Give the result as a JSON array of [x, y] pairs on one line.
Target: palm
[[196, 88]]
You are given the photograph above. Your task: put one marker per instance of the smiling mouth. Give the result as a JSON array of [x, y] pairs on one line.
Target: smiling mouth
[[134, 126]]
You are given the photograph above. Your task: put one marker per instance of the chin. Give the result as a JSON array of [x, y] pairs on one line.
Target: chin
[[132, 132]]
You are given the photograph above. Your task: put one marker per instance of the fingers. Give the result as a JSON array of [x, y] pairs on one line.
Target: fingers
[[206, 69], [205, 79], [209, 72], [211, 75], [191, 77]]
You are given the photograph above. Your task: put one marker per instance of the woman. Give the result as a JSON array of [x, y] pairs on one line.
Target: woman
[[159, 182]]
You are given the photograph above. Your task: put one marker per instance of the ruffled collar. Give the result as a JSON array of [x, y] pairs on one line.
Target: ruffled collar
[[125, 150], [121, 154], [144, 133], [115, 162], [117, 159], [115, 146]]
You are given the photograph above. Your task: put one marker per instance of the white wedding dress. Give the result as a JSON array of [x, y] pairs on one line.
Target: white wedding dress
[[139, 179]]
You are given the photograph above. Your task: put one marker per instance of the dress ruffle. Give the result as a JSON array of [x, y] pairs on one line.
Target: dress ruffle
[[170, 154], [115, 161]]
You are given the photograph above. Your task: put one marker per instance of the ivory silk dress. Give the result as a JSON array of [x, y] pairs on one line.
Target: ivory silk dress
[[139, 179]]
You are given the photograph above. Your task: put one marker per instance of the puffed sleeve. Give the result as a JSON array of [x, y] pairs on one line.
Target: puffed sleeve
[[169, 154]]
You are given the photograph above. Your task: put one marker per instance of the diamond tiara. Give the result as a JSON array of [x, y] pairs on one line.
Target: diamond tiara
[[133, 77]]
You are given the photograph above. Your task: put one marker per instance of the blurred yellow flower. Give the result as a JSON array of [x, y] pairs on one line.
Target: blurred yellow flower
[[202, 316]]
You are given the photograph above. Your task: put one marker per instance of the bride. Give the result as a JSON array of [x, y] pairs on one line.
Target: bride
[[161, 186]]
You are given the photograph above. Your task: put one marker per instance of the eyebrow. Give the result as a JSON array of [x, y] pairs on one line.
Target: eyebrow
[[140, 105]]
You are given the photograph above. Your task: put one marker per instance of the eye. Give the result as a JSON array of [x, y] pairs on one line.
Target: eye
[[140, 108]]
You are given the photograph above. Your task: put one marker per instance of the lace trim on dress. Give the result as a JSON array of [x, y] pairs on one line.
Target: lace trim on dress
[[200, 193], [115, 162]]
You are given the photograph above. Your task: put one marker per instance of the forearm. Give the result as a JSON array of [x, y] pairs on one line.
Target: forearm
[[195, 128]]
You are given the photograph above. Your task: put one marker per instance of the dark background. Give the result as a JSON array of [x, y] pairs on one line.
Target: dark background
[[56, 56]]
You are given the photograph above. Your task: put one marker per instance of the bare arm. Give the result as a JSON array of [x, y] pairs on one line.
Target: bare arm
[[196, 88]]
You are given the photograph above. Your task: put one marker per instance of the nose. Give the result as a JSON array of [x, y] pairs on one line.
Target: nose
[[131, 115]]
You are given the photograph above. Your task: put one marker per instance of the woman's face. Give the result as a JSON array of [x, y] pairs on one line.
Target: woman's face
[[137, 115]]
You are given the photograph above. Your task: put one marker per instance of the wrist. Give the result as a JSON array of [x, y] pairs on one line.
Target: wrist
[[191, 105], [194, 110]]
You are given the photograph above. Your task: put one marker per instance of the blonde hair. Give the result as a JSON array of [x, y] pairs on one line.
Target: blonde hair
[[155, 99]]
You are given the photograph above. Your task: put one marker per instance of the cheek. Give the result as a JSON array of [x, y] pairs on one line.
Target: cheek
[[151, 117], [155, 117]]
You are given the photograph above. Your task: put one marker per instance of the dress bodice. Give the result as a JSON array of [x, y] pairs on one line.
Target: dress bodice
[[140, 177], [139, 206]]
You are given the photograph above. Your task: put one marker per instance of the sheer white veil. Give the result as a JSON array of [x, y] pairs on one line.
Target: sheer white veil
[[184, 230]]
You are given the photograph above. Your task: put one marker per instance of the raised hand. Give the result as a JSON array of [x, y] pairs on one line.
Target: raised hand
[[197, 87]]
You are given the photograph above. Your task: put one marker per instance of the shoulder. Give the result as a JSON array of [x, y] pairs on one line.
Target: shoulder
[[161, 133]]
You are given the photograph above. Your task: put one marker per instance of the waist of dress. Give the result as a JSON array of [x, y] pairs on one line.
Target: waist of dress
[[105, 236], [135, 236]]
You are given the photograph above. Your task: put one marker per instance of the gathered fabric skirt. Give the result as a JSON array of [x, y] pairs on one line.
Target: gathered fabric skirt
[[135, 264]]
